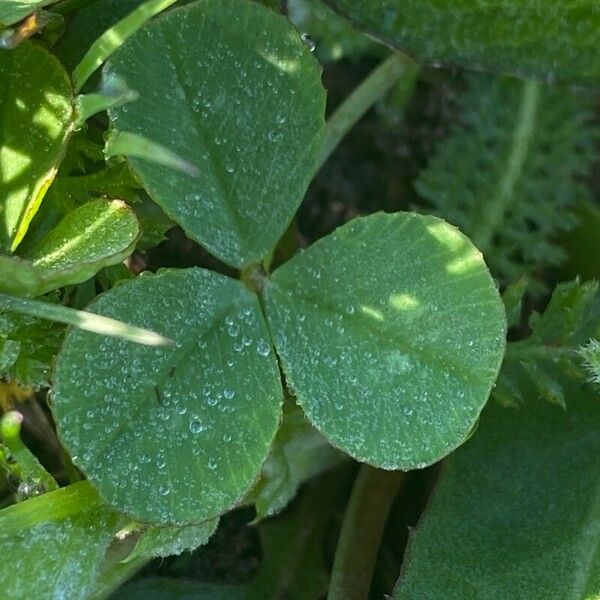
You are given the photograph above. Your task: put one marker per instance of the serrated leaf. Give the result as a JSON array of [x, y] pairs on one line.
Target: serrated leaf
[[55, 543], [549, 40], [516, 511], [160, 542], [590, 353], [551, 351], [172, 436], [392, 360], [238, 95], [519, 148], [35, 111]]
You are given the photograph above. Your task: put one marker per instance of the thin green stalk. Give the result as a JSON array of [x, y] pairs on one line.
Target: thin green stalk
[[374, 87], [114, 38], [29, 466], [82, 319], [366, 514]]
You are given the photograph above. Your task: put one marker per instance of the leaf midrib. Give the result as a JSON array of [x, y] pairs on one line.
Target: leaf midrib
[[217, 168], [424, 356]]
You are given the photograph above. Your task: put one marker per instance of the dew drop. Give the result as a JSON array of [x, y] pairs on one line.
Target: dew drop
[[263, 348]]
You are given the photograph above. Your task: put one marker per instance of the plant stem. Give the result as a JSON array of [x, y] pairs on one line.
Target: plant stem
[[374, 87], [371, 499], [82, 319]]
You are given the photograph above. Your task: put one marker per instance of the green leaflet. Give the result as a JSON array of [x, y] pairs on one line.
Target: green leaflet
[[550, 352], [518, 147], [391, 333], [173, 435], [13, 11], [237, 94], [95, 235], [55, 543], [516, 513], [35, 120], [68, 192], [99, 232], [542, 38]]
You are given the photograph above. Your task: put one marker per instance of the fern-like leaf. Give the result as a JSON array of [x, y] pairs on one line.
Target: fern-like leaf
[[590, 353], [553, 350], [507, 173]]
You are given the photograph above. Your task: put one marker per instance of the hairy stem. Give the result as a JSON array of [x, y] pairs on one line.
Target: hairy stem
[[374, 87], [371, 499]]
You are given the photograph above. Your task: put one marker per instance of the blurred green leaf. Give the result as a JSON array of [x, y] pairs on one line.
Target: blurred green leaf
[[521, 150], [515, 513], [551, 40], [55, 543]]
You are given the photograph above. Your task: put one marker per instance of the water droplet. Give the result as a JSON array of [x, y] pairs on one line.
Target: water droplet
[[196, 426], [309, 41], [263, 348]]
